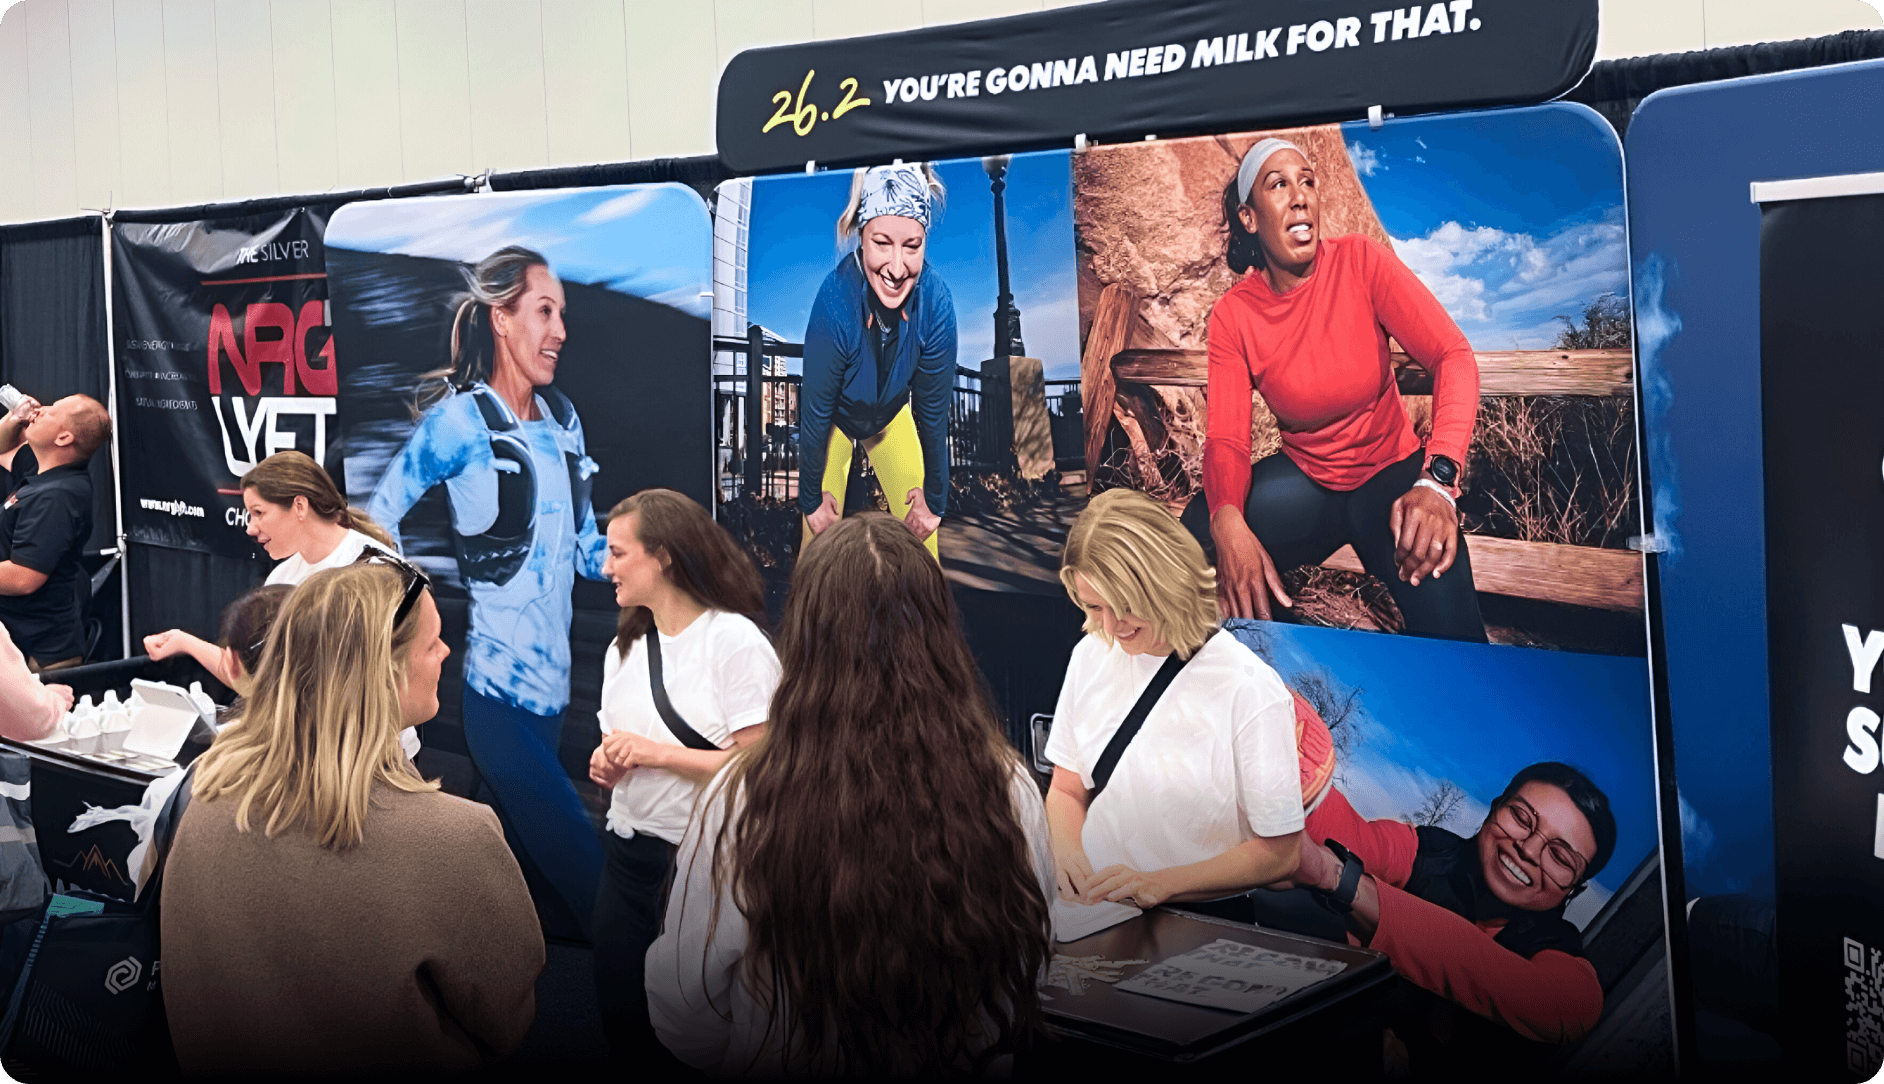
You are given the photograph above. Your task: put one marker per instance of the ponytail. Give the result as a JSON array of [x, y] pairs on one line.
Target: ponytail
[[1245, 249], [496, 282], [354, 519]]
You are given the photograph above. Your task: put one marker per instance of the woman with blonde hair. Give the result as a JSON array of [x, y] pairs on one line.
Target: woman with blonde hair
[[1204, 800], [863, 891], [508, 447], [324, 908], [880, 358]]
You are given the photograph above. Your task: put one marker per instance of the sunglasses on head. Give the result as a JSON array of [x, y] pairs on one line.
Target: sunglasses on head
[[416, 581]]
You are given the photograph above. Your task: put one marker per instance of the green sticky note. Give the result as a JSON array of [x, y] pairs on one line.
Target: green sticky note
[[61, 906]]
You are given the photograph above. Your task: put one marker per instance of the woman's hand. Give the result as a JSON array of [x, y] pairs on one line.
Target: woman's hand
[[162, 645], [61, 698], [602, 770], [826, 514], [1246, 577], [1123, 884], [1425, 530], [630, 751], [921, 522], [1316, 868], [1072, 872]]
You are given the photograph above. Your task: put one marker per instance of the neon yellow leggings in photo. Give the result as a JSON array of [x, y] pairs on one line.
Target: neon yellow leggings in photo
[[895, 454]]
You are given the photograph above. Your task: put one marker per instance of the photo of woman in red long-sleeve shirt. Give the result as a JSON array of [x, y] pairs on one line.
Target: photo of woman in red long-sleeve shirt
[[1384, 374], [1309, 332]]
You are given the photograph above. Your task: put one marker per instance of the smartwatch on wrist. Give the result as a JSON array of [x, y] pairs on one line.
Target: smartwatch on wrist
[[1444, 471], [1341, 898]]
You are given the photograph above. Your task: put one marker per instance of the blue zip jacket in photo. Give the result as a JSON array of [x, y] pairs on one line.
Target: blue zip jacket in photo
[[841, 385]]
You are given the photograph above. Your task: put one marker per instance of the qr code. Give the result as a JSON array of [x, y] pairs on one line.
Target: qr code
[[1864, 1009]]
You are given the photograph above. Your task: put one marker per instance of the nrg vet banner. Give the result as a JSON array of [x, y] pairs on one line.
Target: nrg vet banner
[[1132, 67], [224, 358], [1821, 337]]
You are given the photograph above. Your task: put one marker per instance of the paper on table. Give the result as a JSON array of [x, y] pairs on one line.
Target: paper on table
[[1072, 921], [1231, 975]]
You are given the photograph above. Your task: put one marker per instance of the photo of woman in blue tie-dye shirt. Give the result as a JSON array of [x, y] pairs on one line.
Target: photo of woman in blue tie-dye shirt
[[509, 448]]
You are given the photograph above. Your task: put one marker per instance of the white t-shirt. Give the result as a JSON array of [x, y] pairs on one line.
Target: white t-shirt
[[294, 569], [698, 1000], [720, 673], [1213, 767]]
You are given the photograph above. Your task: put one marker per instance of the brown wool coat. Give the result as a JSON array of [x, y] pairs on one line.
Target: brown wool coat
[[418, 947]]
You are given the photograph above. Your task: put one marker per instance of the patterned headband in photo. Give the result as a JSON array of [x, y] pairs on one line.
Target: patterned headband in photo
[[894, 190]]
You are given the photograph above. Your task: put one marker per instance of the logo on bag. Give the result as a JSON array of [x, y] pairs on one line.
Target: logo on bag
[[123, 975]]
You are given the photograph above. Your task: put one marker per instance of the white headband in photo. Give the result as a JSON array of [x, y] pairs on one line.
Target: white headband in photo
[[1253, 164], [894, 190]]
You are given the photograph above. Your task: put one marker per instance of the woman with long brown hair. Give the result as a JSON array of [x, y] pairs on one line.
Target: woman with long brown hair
[[864, 890], [690, 681]]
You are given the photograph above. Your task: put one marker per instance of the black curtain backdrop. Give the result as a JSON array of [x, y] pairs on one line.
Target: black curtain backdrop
[[702, 174], [1615, 87], [53, 343], [52, 331]]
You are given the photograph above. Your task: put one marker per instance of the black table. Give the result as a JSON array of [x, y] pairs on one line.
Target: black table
[[70, 775], [1332, 1026]]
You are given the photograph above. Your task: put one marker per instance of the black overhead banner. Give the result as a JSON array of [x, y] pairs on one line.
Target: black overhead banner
[[1821, 344], [1127, 68], [224, 358]]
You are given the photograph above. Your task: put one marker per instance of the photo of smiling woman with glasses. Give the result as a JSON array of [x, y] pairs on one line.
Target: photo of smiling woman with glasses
[[880, 358], [1475, 923]]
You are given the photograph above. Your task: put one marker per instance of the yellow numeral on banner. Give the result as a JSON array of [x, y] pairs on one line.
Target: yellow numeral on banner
[[851, 101], [803, 116]]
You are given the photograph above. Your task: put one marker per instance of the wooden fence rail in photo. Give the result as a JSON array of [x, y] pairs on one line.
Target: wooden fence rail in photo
[[1549, 571], [1122, 349], [1500, 372]]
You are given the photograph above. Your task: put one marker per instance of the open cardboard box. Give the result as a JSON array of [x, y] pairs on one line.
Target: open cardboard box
[[164, 722]]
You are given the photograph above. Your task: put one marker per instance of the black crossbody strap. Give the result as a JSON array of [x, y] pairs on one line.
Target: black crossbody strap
[[688, 736], [1108, 760]]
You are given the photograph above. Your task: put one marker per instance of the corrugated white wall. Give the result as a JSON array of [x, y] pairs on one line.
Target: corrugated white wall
[[137, 103]]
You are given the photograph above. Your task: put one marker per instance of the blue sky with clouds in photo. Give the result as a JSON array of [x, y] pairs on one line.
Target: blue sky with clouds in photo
[[1511, 217], [793, 246], [653, 241], [1474, 714]]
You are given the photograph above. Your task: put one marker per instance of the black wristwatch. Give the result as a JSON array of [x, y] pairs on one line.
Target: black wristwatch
[[1444, 471], [1341, 898]]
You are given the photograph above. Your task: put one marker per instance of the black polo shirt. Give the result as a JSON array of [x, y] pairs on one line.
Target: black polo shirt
[[43, 526]]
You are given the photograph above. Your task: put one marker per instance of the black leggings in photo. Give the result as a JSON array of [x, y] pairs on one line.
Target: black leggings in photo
[[1302, 522], [628, 907]]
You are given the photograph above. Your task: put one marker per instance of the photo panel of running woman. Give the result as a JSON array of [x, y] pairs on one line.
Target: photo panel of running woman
[[912, 318], [517, 361], [1384, 374]]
